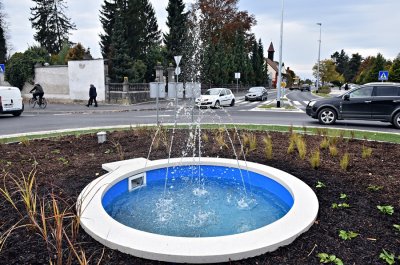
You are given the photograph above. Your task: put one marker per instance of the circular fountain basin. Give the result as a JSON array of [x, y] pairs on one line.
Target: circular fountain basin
[[130, 176]]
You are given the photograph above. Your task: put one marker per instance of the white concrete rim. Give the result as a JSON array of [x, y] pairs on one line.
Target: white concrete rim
[[97, 223]]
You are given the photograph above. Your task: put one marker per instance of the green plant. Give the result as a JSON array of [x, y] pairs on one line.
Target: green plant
[[315, 159], [333, 150], [252, 142], [352, 135], [324, 143], [386, 209], [268, 146], [119, 149], [55, 151], [347, 235], [320, 185], [292, 142], [343, 196], [63, 160], [220, 139], [397, 227], [374, 187], [301, 147], [327, 258], [25, 141], [344, 162], [204, 137], [388, 257], [366, 152], [340, 205]]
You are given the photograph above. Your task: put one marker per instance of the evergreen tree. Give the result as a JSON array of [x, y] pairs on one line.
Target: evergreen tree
[[257, 60], [107, 19], [241, 61], [3, 42], [121, 61], [51, 24], [379, 64], [394, 73], [176, 22], [354, 66], [342, 63]]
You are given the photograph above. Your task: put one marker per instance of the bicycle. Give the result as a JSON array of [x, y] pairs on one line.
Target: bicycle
[[33, 102]]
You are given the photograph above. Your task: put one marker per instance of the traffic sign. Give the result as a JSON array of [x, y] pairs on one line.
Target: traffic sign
[[383, 75], [2, 68], [178, 70], [237, 75]]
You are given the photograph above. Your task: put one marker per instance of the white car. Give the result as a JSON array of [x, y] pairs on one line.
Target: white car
[[216, 97], [11, 101]]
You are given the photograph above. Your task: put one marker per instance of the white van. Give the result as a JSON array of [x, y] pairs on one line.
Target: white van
[[11, 101]]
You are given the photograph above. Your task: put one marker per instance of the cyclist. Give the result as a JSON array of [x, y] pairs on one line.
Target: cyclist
[[37, 91]]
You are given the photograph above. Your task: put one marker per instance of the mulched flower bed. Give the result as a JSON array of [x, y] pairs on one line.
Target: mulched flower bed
[[64, 166]]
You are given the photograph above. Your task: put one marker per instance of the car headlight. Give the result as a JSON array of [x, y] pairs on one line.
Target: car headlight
[[311, 103]]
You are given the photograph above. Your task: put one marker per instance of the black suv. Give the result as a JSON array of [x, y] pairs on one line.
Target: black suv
[[372, 101]]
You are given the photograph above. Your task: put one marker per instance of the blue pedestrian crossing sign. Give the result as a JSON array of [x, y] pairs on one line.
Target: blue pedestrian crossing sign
[[383, 75], [2, 68]]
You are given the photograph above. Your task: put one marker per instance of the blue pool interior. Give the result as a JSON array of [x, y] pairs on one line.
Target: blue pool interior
[[204, 177]]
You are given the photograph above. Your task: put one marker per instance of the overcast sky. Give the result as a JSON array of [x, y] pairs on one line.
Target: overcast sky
[[363, 26]]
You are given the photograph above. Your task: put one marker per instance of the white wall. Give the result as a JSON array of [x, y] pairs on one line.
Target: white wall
[[82, 74]]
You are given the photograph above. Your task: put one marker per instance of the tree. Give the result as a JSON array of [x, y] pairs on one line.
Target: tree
[[328, 72], [177, 23], [342, 63], [258, 64], [3, 42], [51, 24], [394, 73], [354, 66], [107, 19], [76, 53], [221, 19], [21, 66], [378, 64], [121, 61]]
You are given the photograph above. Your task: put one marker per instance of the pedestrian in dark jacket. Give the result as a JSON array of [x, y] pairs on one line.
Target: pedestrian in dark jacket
[[37, 90], [92, 96]]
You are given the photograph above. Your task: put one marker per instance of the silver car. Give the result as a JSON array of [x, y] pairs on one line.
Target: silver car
[[256, 93]]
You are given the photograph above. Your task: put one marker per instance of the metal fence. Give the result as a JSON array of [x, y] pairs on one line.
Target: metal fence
[[130, 93]]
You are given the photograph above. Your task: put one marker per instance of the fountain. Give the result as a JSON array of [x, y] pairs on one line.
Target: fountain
[[101, 203]]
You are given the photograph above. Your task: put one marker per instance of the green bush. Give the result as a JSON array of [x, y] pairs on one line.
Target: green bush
[[21, 66]]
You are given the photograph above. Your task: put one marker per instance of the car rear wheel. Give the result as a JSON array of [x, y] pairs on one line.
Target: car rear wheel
[[396, 120], [217, 105], [327, 116]]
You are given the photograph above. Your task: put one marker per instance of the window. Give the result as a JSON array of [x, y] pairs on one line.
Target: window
[[363, 92], [386, 91]]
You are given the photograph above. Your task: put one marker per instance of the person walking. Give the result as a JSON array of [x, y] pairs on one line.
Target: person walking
[[92, 96]]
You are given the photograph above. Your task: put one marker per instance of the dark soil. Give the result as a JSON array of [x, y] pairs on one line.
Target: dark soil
[[64, 166]]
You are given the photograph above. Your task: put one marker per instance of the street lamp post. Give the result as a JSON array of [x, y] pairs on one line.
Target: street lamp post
[[278, 95], [319, 54]]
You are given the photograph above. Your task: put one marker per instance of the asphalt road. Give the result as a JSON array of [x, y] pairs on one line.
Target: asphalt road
[[75, 116]]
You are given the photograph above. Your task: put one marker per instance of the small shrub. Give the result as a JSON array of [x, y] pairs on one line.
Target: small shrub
[[204, 137], [220, 139], [252, 142], [347, 235], [344, 162], [340, 205], [343, 196], [389, 258], [315, 159], [324, 143], [333, 150], [268, 146], [374, 187], [292, 144], [320, 185], [327, 258], [386, 209], [366, 152], [301, 147], [25, 141], [397, 227], [352, 135]]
